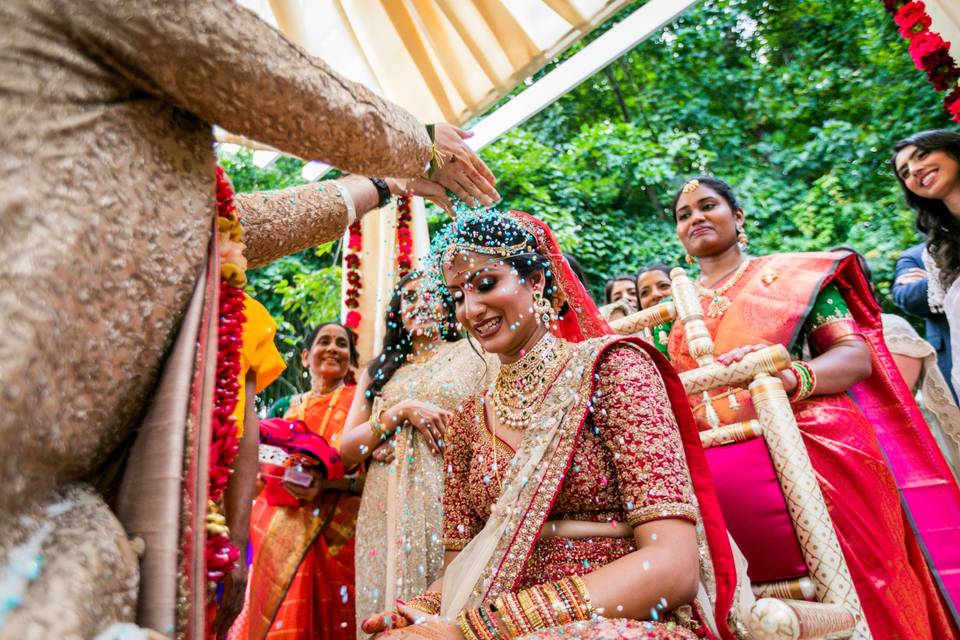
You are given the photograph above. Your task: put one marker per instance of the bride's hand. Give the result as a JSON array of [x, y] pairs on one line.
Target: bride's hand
[[421, 625]]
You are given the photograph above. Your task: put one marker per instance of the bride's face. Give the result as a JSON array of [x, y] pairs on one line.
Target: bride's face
[[493, 302]]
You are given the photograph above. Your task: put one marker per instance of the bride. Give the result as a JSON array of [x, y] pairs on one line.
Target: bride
[[577, 502]]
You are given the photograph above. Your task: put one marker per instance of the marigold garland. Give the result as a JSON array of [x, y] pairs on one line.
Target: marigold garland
[[930, 52], [404, 236], [220, 554], [351, 258]]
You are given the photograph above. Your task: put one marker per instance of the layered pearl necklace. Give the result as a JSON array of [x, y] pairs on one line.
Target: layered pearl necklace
[[521, 385]]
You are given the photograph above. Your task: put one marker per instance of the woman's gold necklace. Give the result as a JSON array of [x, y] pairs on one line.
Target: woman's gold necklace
[[719, 303], [521, 385]]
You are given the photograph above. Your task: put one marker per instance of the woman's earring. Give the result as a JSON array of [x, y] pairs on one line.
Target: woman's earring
[[689, 259], [543, 309], [742, 238]]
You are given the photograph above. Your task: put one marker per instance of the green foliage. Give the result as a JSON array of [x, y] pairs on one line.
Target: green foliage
[[796, 104], [299, 291]]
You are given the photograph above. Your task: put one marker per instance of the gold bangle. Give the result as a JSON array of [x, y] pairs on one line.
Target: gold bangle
[[582, 588], [530, 610], [464, 625], [503, 612]]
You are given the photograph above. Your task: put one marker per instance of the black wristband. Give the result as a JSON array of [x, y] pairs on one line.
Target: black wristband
[[383, 192]]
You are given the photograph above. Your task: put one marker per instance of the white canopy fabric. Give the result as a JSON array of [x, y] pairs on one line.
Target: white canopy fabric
[[945, 20], [443, 60]]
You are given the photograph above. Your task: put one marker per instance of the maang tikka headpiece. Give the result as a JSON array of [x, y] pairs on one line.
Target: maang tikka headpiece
[[690, 186]]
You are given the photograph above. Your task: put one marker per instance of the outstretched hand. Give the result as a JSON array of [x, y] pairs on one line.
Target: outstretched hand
[[462, 170]]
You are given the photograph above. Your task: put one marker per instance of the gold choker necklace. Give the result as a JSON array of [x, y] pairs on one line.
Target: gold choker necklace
[[521, 385], [719, 303]]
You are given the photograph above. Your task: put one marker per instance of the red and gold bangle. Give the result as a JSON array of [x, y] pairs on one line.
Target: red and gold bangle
[[529, 608], [573, 598], [581, 588], [464, 623], [428, 602], [480, 626], [806, 381], [512, 615], [558, 606]]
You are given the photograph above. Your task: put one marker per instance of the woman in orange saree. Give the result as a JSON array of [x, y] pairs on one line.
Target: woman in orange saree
[[302, 578], [864, 434]]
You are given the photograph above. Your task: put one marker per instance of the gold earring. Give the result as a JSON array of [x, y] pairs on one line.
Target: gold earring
[[689, 259], [543, 309], [742, 238]]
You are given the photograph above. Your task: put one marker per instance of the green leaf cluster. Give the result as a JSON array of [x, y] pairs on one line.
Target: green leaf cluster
[[795, 103], [301, 290]]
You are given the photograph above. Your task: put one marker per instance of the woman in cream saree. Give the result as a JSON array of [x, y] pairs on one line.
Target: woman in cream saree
[[424, 367]]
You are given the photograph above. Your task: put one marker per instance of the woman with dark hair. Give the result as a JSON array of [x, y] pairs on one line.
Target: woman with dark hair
[[851, 406], [653, 285], [622, 287], [301, 581], [568, 513], [423, 372], [927, 165]]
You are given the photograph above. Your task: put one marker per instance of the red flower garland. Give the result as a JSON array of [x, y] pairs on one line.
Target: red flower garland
[[351, 258], [219, 552], [404, 237], [930, 52]]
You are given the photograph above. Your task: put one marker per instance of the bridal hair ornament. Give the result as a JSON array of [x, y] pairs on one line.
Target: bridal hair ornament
[[485, 232], [690, 186]]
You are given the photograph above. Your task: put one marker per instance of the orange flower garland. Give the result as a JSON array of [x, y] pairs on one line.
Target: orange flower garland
[[220, 554]]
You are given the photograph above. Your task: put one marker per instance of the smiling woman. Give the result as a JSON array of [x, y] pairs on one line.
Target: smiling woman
[[302, 578], [561, 498]]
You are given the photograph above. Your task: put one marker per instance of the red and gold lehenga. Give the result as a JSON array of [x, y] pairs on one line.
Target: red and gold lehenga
[[612, 441], [862, 444], [301, 581]]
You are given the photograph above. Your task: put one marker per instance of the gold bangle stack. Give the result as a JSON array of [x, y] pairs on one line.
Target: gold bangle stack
[[548, 605], [428, 602]]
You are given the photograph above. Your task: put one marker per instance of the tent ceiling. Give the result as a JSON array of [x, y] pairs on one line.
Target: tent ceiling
[[446, 60]]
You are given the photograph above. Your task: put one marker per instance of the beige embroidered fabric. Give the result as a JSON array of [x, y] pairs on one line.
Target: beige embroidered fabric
[[399, 547], [932, 393], [106, 201]]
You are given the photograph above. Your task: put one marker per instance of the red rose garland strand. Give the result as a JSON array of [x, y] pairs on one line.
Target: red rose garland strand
[[351, 258], [404, 236], [930, 52], [220, 554]]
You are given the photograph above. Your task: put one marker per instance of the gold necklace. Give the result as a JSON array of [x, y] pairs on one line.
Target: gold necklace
[[719, 303], [309, 395], [521, 385]]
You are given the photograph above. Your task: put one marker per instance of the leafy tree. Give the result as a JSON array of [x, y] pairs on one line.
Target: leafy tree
[[796, 104], [299, 291]]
